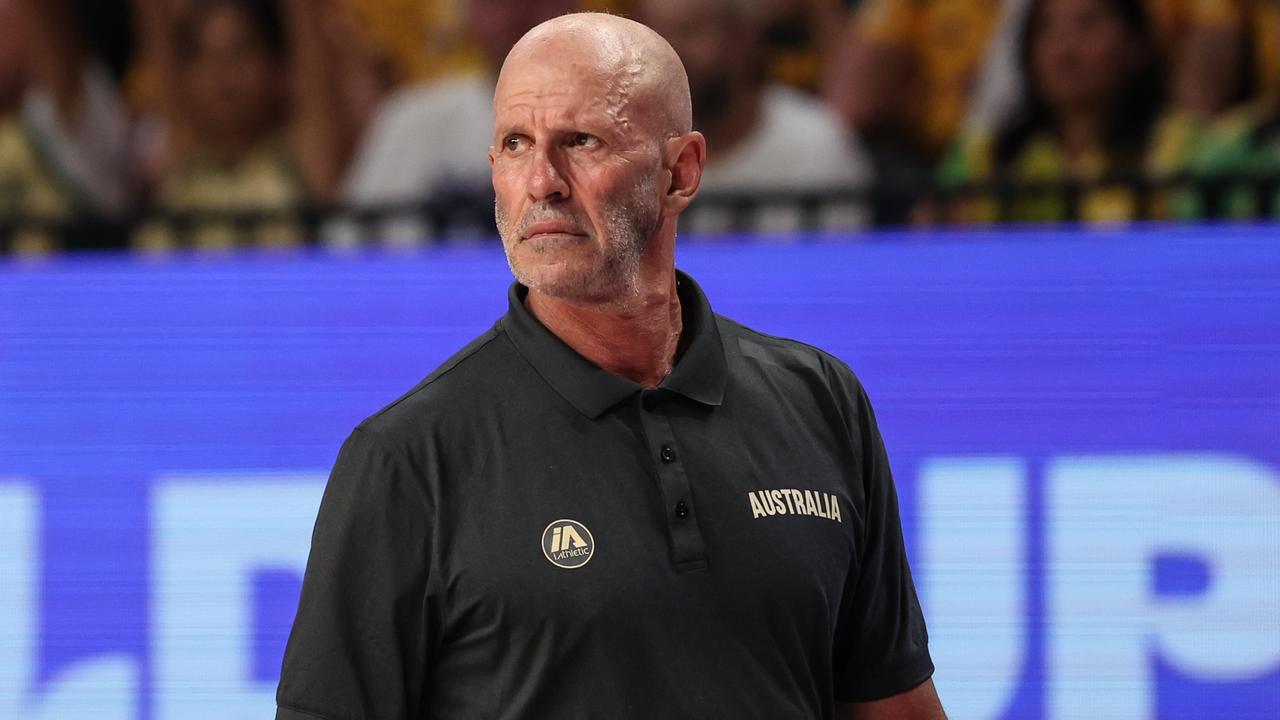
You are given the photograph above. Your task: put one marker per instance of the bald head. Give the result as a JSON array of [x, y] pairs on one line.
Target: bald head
[[641, 76], [593, 159]]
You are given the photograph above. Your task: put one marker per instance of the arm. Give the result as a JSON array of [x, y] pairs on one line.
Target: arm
[[75, 110], [316, 132], [918, 703], [1207, 79], [157, 62], [360, 643], [881, 658], [153, 22], [55, 51]]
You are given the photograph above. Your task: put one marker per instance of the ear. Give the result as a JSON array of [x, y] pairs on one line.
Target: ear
[[685, 157]]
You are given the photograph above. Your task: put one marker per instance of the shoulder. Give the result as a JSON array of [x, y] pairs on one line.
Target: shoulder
[[449, 395], [393, 162], [969, 157], [787, 105], [799, 380], [430, 100], [799, 143], [1228, 144], [805, 123], [775, 355], [446, 106]]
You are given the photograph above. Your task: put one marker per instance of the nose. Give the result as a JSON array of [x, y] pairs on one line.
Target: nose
[[546, 181]]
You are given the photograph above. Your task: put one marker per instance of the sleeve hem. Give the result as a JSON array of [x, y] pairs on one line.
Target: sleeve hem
[[288, 712], [886, 683]]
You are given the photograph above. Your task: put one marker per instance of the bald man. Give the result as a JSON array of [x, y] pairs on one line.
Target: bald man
[[615, 503]]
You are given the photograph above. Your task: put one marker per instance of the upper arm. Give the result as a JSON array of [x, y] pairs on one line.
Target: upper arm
[[55, 52], [918, 703], [362, 635], [881, 643], [321, 146]]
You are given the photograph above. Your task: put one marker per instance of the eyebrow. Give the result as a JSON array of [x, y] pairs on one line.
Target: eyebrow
[[593, 126]]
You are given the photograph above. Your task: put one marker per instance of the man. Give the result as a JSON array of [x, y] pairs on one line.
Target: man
[[64, 150], [764, 137], [392, 165], [615, 503]]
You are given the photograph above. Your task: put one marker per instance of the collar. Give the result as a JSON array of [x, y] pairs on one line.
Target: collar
[[699, 374]]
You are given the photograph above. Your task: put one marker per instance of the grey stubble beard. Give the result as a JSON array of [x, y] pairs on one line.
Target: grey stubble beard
[[630, 222]]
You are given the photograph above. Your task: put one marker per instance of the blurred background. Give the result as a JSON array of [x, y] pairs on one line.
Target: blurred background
[[155, 124], [1043, 232]]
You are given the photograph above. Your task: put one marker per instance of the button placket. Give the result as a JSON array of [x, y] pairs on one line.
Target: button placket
[[688, 550]]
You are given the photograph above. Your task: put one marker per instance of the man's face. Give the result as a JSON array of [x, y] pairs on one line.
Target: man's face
[[575, 169]]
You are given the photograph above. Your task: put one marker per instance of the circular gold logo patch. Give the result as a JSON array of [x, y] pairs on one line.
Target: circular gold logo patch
[[568, 544]]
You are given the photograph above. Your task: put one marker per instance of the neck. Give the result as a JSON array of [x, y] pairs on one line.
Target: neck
[[229, 147], [1081, 131], [637, 340]]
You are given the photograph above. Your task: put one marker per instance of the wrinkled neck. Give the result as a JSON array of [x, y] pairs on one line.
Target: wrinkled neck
[[637, 341]]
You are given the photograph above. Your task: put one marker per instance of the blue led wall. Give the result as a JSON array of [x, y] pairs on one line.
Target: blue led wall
[[1084, 427]]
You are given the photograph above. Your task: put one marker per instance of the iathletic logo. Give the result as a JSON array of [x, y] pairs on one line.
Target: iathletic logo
[[568, 544], [789, 501]]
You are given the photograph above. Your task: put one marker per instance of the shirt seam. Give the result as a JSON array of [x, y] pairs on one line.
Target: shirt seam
[[785, 342], [899, 678], [308, 713], [439, 373]]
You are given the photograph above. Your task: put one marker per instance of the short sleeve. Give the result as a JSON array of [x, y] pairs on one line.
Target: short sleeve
[[91, 149], [360, 641], [881, 641]]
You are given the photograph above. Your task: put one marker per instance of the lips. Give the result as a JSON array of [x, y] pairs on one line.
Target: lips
[[552, 227]]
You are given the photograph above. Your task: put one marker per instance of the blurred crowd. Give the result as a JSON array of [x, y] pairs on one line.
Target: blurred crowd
[[146, 113]]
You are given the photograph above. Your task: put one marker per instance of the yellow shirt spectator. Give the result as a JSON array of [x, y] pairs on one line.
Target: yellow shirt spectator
[[29, 189], [948, 40], [262, 182]]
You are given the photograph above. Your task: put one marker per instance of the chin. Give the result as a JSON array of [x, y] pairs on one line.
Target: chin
[[564, 282], [581, 276]]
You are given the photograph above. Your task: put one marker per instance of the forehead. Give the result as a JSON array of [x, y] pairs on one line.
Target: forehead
[[560, 88]]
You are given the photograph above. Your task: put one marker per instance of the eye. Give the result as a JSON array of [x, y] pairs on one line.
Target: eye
[[515, 143], [584, 140]]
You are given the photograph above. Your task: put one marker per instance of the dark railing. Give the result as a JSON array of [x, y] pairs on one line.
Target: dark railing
[[781, 211]]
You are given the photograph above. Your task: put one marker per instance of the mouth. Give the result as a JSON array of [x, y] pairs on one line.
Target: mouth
[[550, 228]]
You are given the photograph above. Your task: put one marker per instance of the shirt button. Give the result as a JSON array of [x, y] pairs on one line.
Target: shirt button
[[682, 510], [668, 454]]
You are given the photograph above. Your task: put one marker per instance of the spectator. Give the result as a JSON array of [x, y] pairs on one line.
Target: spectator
[[252, 105], [432, 138], [1245, 142], [423, 39], [1202, 42], [1094, 92], [905, 68], [798, 34], [901, 77], [63, 131], [762, 137], [368, 66], [1229, 55]]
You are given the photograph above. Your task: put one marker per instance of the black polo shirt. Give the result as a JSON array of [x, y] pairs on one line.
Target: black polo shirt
[[525, 535]]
